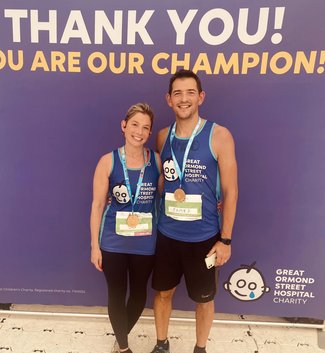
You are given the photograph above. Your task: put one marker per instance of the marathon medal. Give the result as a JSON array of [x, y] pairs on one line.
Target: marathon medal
[[179, 195], [133, 220]]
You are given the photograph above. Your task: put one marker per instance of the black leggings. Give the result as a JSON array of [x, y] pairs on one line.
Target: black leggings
[[126, 273]]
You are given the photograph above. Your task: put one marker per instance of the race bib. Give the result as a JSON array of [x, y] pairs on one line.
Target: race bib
[[143, 228], [188, 210]]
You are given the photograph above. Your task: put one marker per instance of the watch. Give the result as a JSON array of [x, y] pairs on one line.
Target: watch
[[225, 241]]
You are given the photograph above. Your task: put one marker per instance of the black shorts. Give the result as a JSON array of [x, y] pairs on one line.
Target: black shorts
[[176, 258]]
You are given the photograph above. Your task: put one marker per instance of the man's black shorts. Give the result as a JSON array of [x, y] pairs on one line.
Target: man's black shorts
[[175, 258]]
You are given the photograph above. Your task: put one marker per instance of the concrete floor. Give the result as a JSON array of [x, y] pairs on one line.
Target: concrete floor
[[48, 333]]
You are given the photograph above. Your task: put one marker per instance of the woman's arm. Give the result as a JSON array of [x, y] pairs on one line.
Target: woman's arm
[[100, 191]]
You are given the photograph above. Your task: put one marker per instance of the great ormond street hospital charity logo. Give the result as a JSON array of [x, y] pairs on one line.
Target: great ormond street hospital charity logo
[[246, 283]]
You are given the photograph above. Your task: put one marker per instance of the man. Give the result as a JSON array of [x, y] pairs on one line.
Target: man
[[197, 155]]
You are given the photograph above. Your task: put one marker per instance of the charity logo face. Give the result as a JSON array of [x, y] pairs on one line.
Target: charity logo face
[[170, 172], [246, 283], [120, 193]]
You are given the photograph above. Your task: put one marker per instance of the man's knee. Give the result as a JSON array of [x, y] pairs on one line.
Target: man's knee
[[205, 306], [166, 295]]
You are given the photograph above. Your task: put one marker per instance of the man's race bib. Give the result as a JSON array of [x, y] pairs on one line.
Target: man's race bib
[[143, 228], [188, 210]]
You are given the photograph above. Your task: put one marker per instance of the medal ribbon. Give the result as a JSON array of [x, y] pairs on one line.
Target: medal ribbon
[[127, 179], [187, 150]]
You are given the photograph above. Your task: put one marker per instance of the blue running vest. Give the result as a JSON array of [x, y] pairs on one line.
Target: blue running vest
[[109, 240], [201, 177]]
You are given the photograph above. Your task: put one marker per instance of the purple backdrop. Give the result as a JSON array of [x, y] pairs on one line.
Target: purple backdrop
[[55, 124]]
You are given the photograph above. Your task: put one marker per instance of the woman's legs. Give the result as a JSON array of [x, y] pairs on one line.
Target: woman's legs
[[121, 269], [115, 267], [140, 267]]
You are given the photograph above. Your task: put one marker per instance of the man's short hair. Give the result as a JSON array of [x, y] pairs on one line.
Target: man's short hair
[[184, 74]]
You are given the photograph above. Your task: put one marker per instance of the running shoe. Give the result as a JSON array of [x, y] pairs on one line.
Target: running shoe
[[160, 349]]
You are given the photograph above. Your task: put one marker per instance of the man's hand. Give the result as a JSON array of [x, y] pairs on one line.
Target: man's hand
[[223, 253]]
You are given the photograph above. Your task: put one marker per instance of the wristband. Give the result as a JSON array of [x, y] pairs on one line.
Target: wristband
[[225, 241]]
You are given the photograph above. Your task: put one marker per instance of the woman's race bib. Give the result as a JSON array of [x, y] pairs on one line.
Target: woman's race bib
[[143, 227]]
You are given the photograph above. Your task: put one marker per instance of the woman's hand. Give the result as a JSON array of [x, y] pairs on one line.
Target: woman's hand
[[96, 258]]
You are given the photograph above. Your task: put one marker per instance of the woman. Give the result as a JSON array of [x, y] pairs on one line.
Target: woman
[[123, 235]]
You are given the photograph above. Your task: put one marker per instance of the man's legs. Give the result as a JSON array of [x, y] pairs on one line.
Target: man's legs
[[201, 284], [162, 310], [166, 276], [204, 319]]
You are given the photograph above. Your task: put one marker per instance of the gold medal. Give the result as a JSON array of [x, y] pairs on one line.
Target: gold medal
[[179, 195], [132, 220]]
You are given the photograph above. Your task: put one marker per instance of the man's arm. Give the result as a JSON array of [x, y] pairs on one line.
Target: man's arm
[[224, 148], [160, 139]]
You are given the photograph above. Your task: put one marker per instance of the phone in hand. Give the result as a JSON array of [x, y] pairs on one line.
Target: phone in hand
[[210, 261]]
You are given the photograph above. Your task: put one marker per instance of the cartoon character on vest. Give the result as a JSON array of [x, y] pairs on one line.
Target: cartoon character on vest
[[120, 192], [169, 169]]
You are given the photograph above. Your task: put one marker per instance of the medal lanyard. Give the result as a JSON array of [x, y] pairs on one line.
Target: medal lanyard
[[127, 179], [187, 150]]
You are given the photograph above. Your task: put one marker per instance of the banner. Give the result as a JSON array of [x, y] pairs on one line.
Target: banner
[[68, 73]]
